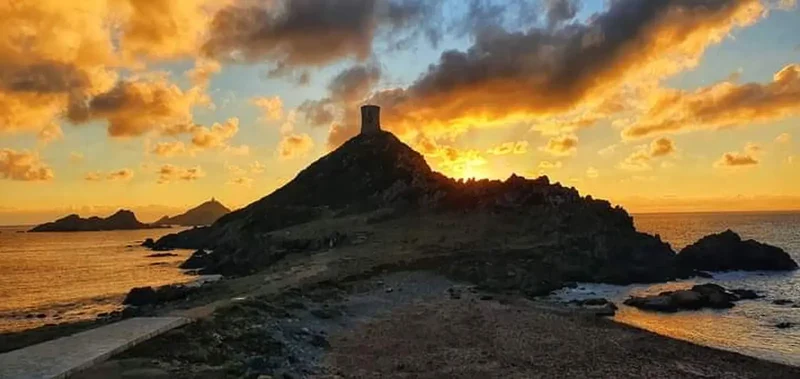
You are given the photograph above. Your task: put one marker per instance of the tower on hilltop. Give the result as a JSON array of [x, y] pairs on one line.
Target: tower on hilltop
[[370, 119]]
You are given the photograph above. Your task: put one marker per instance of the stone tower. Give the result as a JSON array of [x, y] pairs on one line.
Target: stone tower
[[370, 119]]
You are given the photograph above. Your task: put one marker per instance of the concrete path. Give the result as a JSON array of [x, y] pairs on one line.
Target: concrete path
[[64, 356]]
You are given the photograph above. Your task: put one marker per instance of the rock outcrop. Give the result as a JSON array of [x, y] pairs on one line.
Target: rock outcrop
[[122, 220], [698, 297], [587, 239], [202, 215], [727, 251]]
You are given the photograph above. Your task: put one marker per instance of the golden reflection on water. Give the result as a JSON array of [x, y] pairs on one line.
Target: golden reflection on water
[[733, 329], [75, 276]]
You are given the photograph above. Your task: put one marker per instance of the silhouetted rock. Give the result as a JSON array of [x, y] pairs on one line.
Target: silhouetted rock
[[141, 296], [199, 259], [726, 251], [784, 325], [201, 215], [590, 239], [162, 255], [149, 243], [700, 296], [122, 220], [782, 302], [744, 294]]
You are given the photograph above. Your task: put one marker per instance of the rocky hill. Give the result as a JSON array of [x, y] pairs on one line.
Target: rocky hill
[[122, 220], [578, 238], [203, 214]]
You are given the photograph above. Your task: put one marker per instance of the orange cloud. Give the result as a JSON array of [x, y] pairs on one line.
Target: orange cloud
[[51, 132], [561, 146], [141, 105], [662, 147], [736, 159], [511, 76], [23, 166], [169, 149], [170, 173], [516, 148], [640, 159], [721, 105], [217, 135], [295, 145], [271, 107], [122, 175]]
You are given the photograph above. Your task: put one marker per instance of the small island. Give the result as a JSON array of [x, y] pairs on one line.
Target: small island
[[121, 220]]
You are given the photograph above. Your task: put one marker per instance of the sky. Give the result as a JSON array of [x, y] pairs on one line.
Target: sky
[[157, 106]]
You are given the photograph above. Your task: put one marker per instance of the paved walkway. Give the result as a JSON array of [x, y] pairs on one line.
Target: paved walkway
[[64, 356]]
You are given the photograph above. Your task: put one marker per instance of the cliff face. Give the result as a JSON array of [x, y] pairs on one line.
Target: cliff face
[[204, 214], [591, 239], [122, 220]]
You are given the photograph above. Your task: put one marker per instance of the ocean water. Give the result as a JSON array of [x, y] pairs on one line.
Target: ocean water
[[749, 327], [75, 276]]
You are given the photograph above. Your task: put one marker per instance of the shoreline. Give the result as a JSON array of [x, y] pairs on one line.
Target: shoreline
[[334, 324], [427, 324]]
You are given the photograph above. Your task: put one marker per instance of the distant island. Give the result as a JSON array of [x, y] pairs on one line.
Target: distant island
[[204, 214], [122, 220]]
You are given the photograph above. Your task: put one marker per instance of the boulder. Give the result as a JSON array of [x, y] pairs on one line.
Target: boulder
[[743, 294], [782, 302], [141, 296], [149, 243], [727, 251], [198, 260], [686, 299], [784, 325], [653, 303], [700, 296]]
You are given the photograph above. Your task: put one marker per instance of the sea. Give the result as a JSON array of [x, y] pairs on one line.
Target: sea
[[49, 278], [52, 278], [750, 327]]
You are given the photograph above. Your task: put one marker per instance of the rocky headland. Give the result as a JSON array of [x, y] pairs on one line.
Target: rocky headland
[[121, 220], [201, 215]]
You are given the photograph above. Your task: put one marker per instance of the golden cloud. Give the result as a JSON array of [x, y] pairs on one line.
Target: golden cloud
[[169, 149], [721, 105], [733, 159], [51, 132], [640, 159], [510, 76], [516, 148], [561, 146], [295, 145], [662, 147], [170, 173], [218, 135], [122, 175], [23, 166], [271, 107]]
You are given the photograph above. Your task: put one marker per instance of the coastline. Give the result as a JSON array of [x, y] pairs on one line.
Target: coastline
[[422, 324], [325, 326]]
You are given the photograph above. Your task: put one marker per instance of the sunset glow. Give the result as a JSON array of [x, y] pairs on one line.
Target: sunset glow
[[156, 106]]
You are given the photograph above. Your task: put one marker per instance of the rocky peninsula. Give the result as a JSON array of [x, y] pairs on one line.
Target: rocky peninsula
[[370, 264]]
